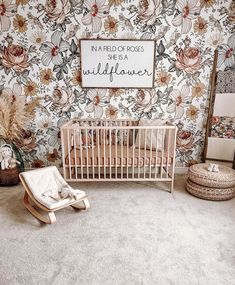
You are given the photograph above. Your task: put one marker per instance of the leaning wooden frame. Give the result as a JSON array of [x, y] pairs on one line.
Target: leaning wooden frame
[[118, 150]]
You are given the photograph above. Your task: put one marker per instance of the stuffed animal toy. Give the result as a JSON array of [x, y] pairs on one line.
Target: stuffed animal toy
[[213, 167], [66, 192], [13, 162], [6, 157]]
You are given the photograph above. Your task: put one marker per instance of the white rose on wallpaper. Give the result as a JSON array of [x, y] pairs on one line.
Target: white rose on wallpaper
[[189, 9], [97, 10], [56, 11], [226, 53], [7, 10], [149, 10], [98, 99], [62, 98], [52, 50], [179, 100]]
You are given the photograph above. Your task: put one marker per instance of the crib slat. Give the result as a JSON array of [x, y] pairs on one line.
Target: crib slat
[[156, 164], [75, 153], [98, 146], [104, 152], [63, 152], [110, 154], [116, 153], [87, 155], [167, 138], [139, 153], [122, 136], [81, 151], [162, 159], [133, 154], [93, 155], [69, 149], [127, 151], [145, 134], [151, 146]]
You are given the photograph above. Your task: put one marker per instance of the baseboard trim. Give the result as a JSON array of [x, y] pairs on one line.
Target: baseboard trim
[[181, 170]]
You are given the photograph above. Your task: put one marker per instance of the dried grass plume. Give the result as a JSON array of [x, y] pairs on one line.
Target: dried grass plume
[[15, 114]]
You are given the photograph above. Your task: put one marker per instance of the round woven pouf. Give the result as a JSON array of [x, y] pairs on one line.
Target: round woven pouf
[[199, 174], [210, 193]]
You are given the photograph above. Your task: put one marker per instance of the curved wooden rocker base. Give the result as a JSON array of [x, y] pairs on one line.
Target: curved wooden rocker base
[[82, 205], [47, 220]]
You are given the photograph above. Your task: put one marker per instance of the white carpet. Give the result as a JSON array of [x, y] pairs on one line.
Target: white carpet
[[134, 234]]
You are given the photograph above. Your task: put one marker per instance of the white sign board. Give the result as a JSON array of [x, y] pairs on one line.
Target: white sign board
[[117, 63]]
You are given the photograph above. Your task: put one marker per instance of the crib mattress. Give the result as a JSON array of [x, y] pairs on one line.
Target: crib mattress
[[116, 156]]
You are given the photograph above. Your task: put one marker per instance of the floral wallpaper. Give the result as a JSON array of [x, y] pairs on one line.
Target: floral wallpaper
[[39, 60], [223, 127]]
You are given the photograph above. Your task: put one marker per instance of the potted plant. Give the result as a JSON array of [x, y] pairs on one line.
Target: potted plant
[[15, 115]]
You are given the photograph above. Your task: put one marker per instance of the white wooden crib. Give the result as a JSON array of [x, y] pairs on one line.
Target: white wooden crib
[[120, 150]]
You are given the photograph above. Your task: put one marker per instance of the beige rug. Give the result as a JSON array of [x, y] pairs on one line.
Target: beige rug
[[134, 234]]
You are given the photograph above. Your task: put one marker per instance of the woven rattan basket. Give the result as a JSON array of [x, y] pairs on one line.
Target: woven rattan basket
[[199, 174], [210, 193]]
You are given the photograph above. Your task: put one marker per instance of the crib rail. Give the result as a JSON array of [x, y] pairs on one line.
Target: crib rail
[[102, 150]]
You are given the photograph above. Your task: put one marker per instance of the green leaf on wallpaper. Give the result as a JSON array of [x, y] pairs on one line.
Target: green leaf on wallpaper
[[172, 68], [179, 72], [80, 96], [65, 69], [25, 73], [7, 71], [152, 29], [157, 22], [62, 27], [54, 26], [59, 75], [172, 60], [73, 47], [144, 28], [67, 21], [56, 68]]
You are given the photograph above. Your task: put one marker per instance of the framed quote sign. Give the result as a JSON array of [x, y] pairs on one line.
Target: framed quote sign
[[117, 63]]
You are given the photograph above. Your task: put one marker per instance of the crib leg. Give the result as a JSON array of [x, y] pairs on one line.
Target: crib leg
[[172, 186]]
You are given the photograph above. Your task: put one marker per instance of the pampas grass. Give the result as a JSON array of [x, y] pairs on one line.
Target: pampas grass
[[15, 116]]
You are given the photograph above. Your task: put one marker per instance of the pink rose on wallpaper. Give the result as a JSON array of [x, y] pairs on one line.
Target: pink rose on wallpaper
[[189, 10], [63, 98], [15, 57], [149, 10], [27, 143], [97, 10], [56, 10], [145, 100], [184, 139], [52, 50], [189, 60], [7, 10]]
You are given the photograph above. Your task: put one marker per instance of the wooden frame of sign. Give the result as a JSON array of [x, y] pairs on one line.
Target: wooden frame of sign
[[117, 63]]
